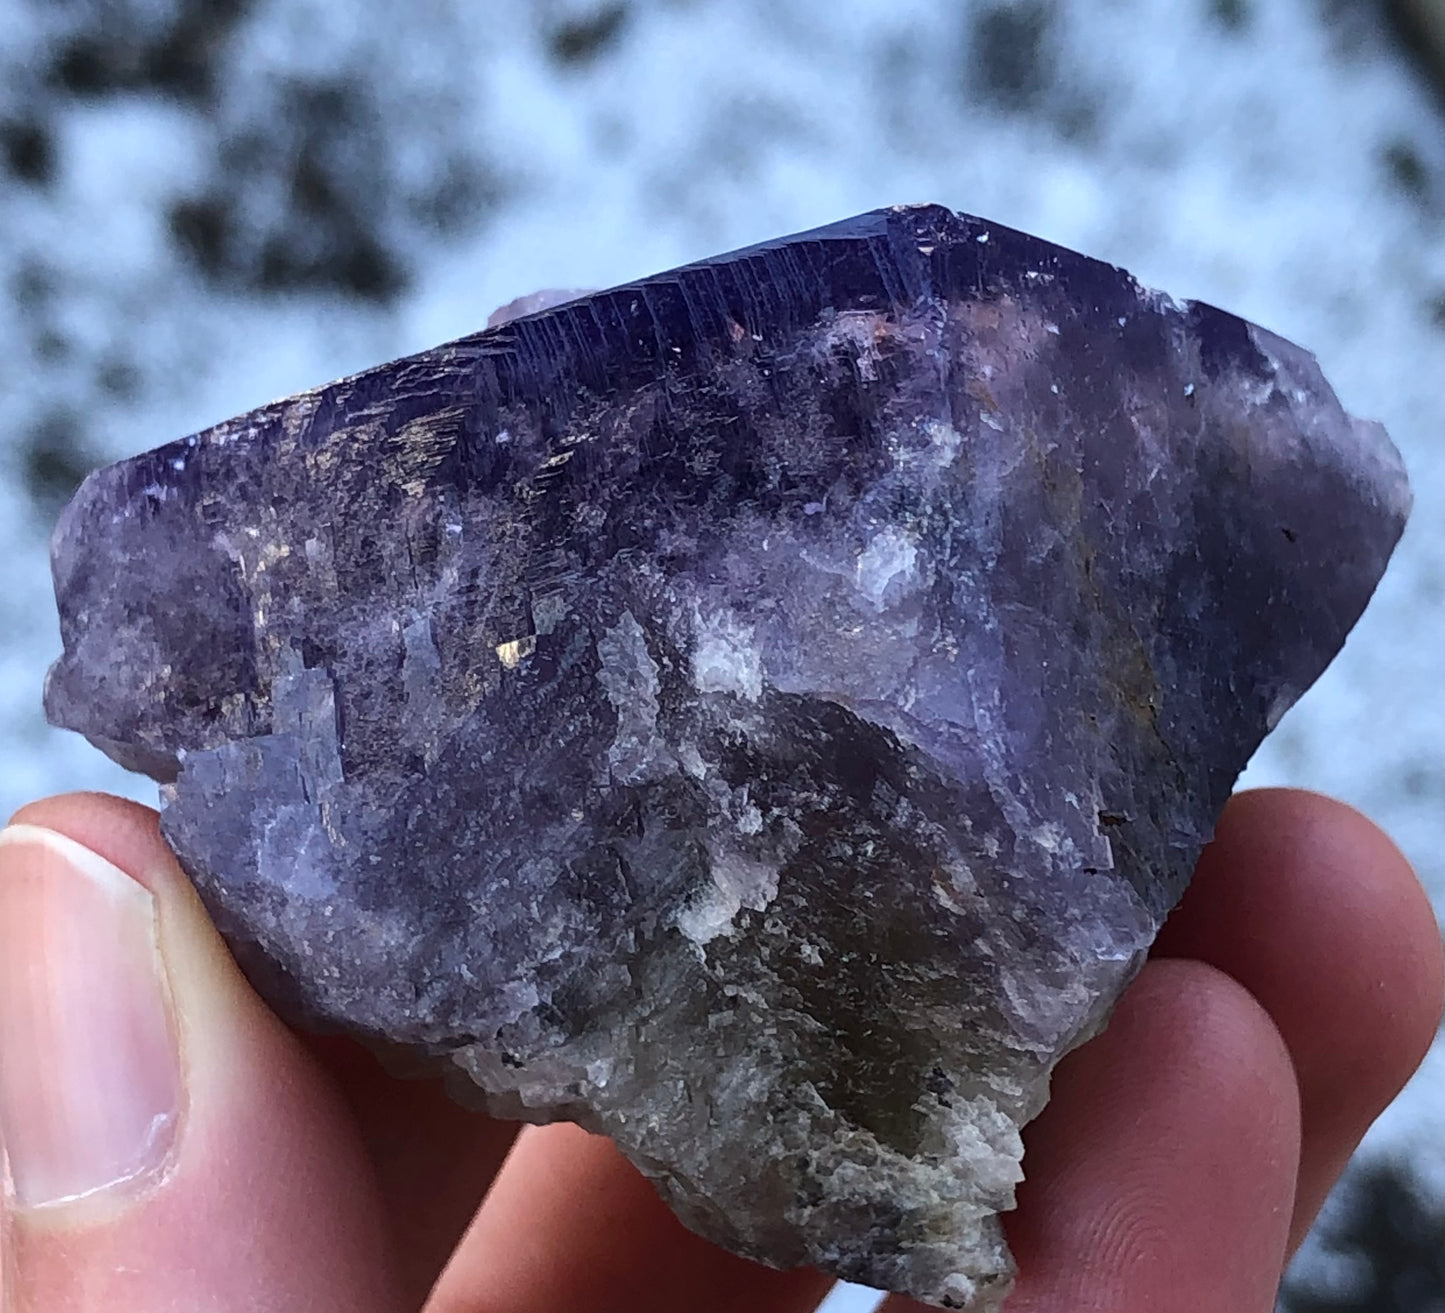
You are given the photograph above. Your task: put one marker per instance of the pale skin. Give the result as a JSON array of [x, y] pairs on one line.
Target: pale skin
[[1181, 1160]]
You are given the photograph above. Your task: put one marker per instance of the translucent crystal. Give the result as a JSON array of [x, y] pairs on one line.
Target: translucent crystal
[[762, 713]]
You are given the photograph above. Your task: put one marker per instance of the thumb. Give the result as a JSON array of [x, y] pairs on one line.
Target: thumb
[[168, 1144]]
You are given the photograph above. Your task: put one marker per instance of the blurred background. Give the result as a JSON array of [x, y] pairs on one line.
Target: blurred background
[[206, 204]]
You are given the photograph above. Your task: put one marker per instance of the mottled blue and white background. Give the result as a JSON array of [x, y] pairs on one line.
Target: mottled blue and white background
[[205, 204]]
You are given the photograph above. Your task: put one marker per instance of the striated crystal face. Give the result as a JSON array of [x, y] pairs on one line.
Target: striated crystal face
[[762, 713]]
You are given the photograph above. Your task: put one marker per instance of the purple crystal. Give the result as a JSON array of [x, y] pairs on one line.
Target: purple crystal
[[762, 713]]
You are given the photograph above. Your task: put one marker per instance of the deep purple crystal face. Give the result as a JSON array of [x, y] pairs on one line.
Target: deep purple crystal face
[[762, 712]]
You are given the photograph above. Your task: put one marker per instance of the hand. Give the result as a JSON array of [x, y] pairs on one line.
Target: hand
[[172, 1146]]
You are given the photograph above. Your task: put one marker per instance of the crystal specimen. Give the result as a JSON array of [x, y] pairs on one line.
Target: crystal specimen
[[762, 713]]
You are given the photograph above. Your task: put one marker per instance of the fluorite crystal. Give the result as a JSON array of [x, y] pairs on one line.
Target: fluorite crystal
[[762, 713]]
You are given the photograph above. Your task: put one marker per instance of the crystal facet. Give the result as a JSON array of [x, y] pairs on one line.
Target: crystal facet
[[762, 713]]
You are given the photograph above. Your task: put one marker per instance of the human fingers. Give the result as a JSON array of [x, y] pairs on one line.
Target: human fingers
[[1317, 914], [170, 1145], [571, 1224], [434, 1158], [1160, 1177]]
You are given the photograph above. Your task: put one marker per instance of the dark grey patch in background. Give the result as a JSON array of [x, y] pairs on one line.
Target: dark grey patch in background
[[1013, 63], [316, 160], [54, 458], [118, 377], [1353, 25], [1425, 780], [1232, 15], [168, 47], [1011, 55], [582, 38], [309, 189], [28, 149], [1379, 1248], [1406, 169], [1420, 27], [32, 286]]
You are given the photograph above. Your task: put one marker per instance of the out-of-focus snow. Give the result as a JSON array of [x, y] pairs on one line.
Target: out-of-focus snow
[[1278, 159]]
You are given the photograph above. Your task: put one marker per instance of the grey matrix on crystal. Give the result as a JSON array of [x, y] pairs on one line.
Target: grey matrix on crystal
[[762, 713]]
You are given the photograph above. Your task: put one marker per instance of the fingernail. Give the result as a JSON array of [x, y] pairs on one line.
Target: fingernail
[[90, 1081]]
